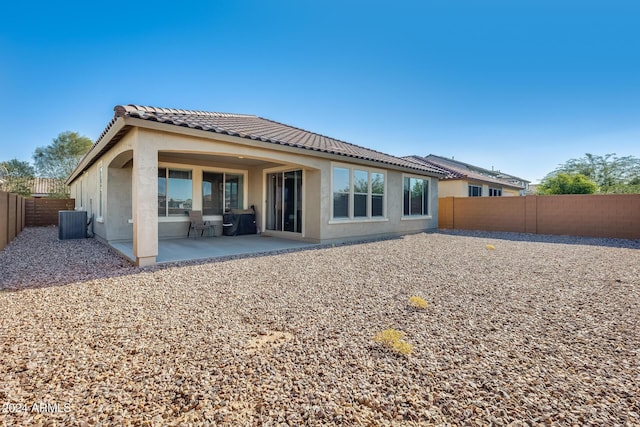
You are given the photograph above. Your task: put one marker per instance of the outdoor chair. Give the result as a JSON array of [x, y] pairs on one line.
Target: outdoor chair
[[198, 224]]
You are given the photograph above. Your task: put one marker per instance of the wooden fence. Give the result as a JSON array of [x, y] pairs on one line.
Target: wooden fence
[[43, 212], [12, 217], [596, 215]]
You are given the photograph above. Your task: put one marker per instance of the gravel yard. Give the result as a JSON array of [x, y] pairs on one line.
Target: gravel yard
[[540, 330]]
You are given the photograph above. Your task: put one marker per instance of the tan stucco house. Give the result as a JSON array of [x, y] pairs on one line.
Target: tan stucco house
[[151, 166], [466, 180]]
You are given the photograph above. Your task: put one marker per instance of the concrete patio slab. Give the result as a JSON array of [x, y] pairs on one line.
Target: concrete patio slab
[[172, 250]]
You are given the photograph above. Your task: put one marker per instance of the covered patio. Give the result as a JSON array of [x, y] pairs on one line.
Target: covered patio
[[184, 249]]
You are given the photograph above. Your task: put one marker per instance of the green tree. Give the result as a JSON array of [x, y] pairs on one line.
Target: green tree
[[612, 174], [58, 159], [16, 176], [564, 183]]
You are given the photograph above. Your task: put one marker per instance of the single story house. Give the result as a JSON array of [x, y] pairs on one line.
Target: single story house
[[151, 166], [466, 180]]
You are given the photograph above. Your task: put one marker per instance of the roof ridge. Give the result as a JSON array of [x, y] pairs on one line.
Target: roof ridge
[[490, 173], [122, 110], [425, 160], [246, 126], [330, 137]]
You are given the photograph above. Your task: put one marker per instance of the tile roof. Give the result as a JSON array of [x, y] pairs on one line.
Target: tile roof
[[38, 186], [459, 170], [259, 129]]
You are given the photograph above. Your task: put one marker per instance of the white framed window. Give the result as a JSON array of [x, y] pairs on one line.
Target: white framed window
[[175, 191], [358, 193], [79, 203], [416, 196], [475, 190], [377, 194], [495, 192], [100, 193], [221, 191]]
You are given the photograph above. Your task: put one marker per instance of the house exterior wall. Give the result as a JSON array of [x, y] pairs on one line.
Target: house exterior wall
[[313, 204], [392, 224], [130, 187], [116, 221], [460, 188], [453, 188]]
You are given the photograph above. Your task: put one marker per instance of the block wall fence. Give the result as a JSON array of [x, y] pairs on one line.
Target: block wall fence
[[593, 215], [43, 212], [17, 212], [12, 217]]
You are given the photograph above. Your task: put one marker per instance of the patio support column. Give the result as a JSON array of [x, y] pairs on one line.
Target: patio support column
[[145, 203]]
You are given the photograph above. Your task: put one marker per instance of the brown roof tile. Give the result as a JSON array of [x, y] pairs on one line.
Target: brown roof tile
[[257, 128], [459, 170], [38, 186]]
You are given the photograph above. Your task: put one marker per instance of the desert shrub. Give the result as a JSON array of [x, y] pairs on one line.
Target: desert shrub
[[393, 340], [418, 302]]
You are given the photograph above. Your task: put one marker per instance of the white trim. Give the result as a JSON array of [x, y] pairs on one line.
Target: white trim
[[414, 217], [358, 220], [303, 206], [173, 219], [100, 191], [351, 207], [196, 182], [225, 171], [480, 186], [429, 214], [169, 219]]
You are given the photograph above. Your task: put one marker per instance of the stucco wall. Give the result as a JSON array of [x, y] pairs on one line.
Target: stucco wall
[[313, 204], [116, 187], [460, 188], [194, 153], [254, 195], [393, 224], [118, 208], [454, 188]]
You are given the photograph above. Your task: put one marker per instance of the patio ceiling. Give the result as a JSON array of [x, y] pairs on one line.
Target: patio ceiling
[[214, 158]]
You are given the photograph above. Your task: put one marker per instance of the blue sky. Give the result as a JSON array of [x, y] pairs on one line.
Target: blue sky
[[520, 86]]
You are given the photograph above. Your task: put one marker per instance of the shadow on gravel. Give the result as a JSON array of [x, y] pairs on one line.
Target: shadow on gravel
[[546, 238], [37, 259]]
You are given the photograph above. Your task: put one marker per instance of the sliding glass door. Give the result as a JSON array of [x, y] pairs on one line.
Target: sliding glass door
[[284, 201]]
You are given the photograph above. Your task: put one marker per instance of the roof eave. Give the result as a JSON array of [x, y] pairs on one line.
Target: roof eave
[[251, 142], [97, 149], [120, 125]]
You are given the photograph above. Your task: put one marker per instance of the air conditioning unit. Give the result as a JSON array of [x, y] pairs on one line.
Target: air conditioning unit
[[72, 225]]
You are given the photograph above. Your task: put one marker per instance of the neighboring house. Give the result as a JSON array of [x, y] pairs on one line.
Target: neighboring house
[[47, 187], [465, 180], [532, 189], [39, 187], [150, 166]]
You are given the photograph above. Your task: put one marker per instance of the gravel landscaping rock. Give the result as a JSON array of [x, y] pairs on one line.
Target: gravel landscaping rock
[[539, 330]]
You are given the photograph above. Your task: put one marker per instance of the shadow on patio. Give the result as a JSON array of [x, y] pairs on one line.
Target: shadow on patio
[[173, 250]]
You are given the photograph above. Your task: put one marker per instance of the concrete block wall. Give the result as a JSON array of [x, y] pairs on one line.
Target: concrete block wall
[[598, 215], [12, 217], [43, 212]]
